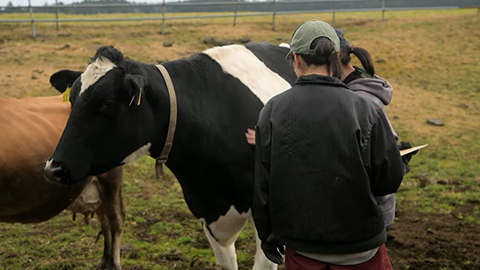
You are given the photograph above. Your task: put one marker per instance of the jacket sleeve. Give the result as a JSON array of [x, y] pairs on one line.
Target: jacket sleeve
[[386, 168], [260, 207]]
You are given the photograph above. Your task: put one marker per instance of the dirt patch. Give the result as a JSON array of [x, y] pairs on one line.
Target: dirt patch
[[431, 241]]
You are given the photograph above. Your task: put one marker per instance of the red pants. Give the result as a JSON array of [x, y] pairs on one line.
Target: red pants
[[295, 261]]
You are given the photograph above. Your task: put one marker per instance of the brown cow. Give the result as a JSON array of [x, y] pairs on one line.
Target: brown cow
[[29, 131]]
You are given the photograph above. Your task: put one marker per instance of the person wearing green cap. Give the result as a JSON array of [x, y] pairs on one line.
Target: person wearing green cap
[[322, 155]]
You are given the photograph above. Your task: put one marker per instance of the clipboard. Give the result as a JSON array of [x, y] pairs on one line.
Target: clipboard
[[410, 150]]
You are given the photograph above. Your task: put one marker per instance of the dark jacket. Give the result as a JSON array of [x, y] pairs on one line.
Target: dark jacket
[[379, 91], [322, 154]]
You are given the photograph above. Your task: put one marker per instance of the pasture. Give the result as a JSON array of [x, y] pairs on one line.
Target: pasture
[[430, 57]]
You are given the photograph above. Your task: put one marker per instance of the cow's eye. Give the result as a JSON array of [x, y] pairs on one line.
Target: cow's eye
[[108, 103]]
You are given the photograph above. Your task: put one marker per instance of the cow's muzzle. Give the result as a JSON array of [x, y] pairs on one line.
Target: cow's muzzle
[[56, 173]]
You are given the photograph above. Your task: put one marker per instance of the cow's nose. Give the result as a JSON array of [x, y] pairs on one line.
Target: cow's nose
[[55, 172]]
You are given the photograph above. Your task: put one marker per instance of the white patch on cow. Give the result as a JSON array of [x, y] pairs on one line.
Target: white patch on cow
[[225, 256], [227, 227], [286, 45], [142, 151], [94, 72], [225, 232], [241, 63], [261, 261]]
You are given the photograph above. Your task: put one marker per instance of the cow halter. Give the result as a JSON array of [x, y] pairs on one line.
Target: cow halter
[[162, 159]]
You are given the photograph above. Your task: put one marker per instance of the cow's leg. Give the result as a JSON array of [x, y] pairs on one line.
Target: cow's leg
[[107, 239], [222, 235], [110, 188], [261, 262], [224, 253]]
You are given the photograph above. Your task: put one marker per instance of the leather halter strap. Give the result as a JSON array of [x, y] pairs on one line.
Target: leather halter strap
[[163, 157]]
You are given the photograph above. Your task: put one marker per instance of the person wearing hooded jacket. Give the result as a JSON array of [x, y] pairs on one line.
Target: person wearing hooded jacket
[[363, 81], [367, 84]]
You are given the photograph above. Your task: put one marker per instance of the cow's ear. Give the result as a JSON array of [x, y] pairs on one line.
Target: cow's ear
[[63, 79], [135, 85]]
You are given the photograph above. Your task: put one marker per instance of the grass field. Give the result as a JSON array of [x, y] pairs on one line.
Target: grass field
[[430, 57]]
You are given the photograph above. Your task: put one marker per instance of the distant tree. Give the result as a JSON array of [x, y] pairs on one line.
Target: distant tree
[[8, 9]]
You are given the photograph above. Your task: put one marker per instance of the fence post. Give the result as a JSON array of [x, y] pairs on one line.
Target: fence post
[[383, 10], [273, 15], [56, 15], [235, 15], [32, 21], [164, 8], [334, 7]]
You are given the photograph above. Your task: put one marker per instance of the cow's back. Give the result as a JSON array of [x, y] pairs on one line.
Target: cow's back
[[30, 129], [273, 57], [220, 93]]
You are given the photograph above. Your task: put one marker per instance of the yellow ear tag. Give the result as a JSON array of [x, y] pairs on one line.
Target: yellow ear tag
[[139, 98], [131, 101], [66, 95]]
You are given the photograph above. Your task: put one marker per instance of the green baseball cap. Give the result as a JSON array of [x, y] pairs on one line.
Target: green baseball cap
[[307, 32]]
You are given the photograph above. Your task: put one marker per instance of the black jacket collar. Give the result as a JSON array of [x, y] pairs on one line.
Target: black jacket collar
[[320, 79]]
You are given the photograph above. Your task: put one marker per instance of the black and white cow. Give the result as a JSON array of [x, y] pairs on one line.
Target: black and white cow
[[219, 95]]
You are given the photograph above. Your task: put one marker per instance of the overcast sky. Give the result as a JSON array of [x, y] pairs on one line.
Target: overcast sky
[[51, 2]]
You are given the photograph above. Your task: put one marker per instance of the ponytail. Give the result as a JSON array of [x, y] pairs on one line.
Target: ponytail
[[365, 58], [362, 55]]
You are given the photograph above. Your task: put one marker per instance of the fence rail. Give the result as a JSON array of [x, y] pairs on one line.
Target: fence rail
[[239, 9]]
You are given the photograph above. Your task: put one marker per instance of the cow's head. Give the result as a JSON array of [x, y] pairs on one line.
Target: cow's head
[[106, 127]]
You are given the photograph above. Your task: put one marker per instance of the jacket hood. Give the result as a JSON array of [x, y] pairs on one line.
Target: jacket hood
[[375, 86]]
